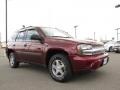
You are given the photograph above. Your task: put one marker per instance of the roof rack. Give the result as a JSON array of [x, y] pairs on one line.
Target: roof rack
[[26, 27]]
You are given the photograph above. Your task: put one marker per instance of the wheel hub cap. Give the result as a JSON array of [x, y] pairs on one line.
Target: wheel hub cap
[[58, 68]]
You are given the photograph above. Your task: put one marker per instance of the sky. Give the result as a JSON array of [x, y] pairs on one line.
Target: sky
[[99, 16]]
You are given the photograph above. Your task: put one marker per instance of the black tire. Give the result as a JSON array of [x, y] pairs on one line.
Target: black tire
[[118, 50], [111, 49], [12, 61], [63, 60]]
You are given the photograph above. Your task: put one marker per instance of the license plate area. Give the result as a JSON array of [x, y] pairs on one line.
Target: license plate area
[[105, 61]]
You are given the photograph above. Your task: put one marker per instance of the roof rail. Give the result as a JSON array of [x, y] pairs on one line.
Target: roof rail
[[23, 27]]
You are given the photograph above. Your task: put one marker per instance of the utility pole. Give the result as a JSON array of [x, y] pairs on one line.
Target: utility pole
[[6, 18], [117, 33], [75, 31], [117, 6]]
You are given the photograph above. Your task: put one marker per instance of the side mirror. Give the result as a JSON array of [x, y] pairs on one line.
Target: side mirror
[[37, 37]]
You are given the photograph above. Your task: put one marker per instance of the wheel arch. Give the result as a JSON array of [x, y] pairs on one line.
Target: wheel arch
[[52, 52], [8, 51]]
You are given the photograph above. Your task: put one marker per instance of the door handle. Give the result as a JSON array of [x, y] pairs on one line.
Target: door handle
[[39, 48], [13, 44], [25, 45]]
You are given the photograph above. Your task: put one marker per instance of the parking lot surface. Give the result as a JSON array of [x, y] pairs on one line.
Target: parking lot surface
[[32, 77]]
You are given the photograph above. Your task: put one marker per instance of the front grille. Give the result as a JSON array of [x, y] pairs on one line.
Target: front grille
[[95, 50]]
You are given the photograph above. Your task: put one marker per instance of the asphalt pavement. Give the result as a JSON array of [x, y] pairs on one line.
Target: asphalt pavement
[[32, 77]]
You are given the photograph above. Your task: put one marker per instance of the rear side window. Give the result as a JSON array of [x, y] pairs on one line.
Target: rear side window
[[30, 33], [21, 36]]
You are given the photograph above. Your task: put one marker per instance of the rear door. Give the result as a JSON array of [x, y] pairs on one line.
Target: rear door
[[33, 48], [19, 46]]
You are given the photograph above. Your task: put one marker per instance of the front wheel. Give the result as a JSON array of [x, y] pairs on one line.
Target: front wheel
[[118, 51], [12, 61], [60, 68]]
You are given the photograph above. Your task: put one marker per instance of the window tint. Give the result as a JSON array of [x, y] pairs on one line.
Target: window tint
[[30, 33], [20, 36]]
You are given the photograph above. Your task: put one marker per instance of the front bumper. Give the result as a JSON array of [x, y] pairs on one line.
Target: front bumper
[[88, 62]]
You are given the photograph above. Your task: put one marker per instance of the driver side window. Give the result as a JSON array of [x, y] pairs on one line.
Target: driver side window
[[30, 33]]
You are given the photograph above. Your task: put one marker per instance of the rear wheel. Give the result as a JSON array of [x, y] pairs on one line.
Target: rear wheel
[[59, 68], [12, 61]]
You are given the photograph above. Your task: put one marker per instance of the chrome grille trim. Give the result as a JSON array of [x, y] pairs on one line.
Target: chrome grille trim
[[95, 50]]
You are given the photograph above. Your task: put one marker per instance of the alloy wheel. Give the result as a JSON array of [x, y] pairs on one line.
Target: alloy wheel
[[58, 68]]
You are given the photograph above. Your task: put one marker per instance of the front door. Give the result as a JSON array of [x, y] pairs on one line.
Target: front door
[[33, 48]]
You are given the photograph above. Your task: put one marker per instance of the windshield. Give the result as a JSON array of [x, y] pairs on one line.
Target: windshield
[[54, 32]]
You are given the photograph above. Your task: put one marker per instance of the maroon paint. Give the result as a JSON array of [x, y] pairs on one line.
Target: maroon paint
[[37, 52]]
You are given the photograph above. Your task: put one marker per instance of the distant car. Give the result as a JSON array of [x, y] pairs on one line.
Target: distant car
[[109, 46], [104, 42], [116, 47]]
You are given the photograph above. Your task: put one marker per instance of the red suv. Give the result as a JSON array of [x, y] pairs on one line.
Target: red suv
[[56, 50]]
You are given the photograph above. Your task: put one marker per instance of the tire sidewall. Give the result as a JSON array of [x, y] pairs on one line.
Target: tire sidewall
[[66, 63], [15, 62]]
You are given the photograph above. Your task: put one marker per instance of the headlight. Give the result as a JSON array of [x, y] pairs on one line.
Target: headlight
[[82, 47], [85, 49]]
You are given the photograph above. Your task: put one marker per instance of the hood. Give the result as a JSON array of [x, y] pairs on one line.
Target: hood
[[91, 42]]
